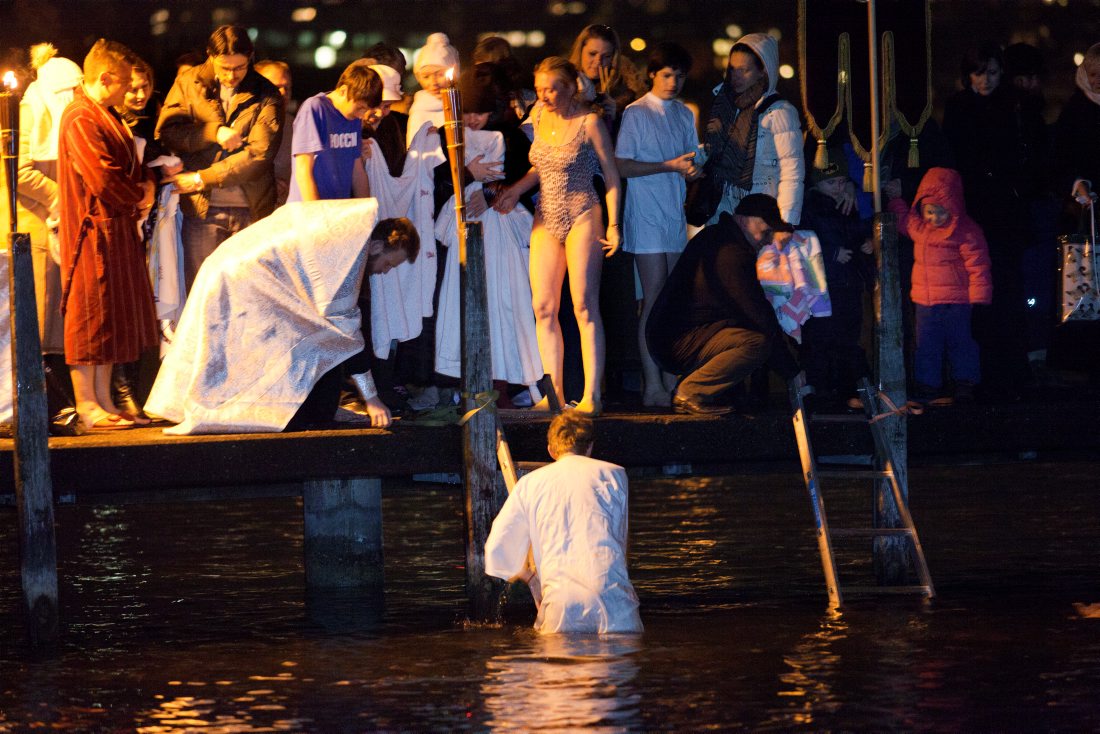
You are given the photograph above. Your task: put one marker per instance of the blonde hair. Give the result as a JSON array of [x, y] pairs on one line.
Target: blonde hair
[[109, 56], [570, 433], [41, 53], [563, 68]]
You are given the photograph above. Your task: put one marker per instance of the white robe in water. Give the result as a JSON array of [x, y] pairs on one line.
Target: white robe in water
[[273, 309], [573, 514], [402, 298], [507, 237]]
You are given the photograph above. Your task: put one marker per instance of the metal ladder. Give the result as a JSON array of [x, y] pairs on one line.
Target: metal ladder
[[872, 411]]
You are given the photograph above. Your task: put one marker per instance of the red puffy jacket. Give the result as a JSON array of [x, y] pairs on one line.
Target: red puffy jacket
[[950, 263]]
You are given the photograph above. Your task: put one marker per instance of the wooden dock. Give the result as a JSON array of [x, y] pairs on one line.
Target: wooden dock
[[145, 460]]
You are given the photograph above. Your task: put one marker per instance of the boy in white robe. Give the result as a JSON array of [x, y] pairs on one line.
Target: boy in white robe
[[572, 514]]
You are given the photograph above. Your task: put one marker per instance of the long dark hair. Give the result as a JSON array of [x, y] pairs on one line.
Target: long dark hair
[[977, 58]]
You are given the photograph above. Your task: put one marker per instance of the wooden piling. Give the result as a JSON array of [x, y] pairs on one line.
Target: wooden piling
[[343, 532], [485, 492], [33, 488], [890, 553]]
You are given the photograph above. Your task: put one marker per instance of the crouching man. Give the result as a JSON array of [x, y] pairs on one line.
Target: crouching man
[[711, 323], [572, 515], [275, 308]]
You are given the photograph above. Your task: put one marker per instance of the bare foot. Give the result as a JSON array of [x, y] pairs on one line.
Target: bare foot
[[590, 407], [138, 420], [542, 406]]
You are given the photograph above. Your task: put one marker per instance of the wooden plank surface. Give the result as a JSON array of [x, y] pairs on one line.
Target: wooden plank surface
[[147, 459]]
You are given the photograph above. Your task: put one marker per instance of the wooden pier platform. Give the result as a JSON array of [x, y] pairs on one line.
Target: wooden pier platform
[[145, 459]]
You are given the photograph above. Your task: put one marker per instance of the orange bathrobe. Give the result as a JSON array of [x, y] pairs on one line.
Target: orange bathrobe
[[107, 301]]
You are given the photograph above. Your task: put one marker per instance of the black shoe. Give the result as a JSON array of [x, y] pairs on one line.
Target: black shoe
[[687, 405], [122, 392]]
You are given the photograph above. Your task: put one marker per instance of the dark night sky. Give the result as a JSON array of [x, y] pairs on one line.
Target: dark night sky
[[1059, 27]]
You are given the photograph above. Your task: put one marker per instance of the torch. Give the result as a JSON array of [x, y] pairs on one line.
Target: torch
[[456, 145], [9, 135]]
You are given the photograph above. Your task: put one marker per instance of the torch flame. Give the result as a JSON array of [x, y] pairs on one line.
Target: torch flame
[[10, 81], [450, 74]]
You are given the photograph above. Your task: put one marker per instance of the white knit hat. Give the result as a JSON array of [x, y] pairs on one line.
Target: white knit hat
[[437, 51], [391, 82]]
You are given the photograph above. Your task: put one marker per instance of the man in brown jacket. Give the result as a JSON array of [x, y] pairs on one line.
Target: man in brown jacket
[[225, 121]]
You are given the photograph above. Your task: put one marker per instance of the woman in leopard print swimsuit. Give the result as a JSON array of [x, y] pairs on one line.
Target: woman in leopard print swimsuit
[[571, 145]]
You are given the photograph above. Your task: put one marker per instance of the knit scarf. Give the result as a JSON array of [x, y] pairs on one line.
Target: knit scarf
[[731, 134]]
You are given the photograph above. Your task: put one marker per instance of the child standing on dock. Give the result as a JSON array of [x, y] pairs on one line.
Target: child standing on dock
[[951, 273], [831, 355], [573, 515]]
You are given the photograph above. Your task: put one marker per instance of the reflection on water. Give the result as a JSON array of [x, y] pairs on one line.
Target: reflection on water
[[562, 682], [808, 686], [194, 617]]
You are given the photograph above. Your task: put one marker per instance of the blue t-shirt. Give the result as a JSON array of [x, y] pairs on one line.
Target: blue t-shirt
[[319, 128]]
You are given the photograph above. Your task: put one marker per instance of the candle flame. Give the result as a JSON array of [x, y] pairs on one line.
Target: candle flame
[[9, 80], [450, 74]]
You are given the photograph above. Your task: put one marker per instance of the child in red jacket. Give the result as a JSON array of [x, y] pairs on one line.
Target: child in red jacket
[[951, 272]]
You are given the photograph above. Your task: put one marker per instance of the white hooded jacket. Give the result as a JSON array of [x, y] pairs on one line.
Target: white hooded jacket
[[780, 165]]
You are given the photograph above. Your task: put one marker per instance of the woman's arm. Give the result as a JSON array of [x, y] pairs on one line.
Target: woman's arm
[[506, 200], [605, 152]]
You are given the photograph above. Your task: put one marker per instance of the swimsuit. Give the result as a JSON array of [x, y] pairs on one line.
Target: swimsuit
[[565, 180]]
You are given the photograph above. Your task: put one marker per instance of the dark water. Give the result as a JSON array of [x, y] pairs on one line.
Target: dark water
[[193, 618]]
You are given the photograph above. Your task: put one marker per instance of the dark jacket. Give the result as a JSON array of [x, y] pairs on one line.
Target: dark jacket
[[997, 154], [1077, 144], [713, 286], [836, 230], [189, 123]]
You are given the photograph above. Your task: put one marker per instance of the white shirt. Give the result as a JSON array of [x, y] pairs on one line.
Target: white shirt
[[653, 131], [573, 515]]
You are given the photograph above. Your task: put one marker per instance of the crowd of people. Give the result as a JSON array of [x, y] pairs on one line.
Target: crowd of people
[[585, 156]]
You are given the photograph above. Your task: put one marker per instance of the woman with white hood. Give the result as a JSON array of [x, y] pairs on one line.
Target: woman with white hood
[[753, 137], [40, 115]]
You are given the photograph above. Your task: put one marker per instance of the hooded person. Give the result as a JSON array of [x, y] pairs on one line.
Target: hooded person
[[273, 310], [430, 68], [951, 274], [753, 137], [40, 117]]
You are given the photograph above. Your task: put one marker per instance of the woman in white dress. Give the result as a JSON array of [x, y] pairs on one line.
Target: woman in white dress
[[656, 149]]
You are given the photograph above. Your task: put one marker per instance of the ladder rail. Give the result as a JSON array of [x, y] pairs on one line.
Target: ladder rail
[[870, 398], [872, 407], [821, 521]]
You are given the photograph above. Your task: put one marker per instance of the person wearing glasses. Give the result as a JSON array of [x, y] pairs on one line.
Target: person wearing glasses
[[224, 120]]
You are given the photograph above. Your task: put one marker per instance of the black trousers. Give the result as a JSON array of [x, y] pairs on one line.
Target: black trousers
[[830, 352], [721, 363]]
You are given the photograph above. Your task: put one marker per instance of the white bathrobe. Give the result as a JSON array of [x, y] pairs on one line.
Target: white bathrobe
[[273, 309], [507, 237], [402, 298]]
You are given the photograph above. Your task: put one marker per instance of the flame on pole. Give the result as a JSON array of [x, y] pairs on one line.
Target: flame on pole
[[9, 135], [456, 149]]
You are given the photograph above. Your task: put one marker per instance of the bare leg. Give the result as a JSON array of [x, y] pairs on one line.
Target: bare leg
[[90, 381], [547, 272], [653, 270], [585, 262]]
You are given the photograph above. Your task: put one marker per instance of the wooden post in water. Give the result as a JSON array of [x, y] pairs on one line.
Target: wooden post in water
[[33, 488], [485, 492], [343, 532], [889, 554]]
